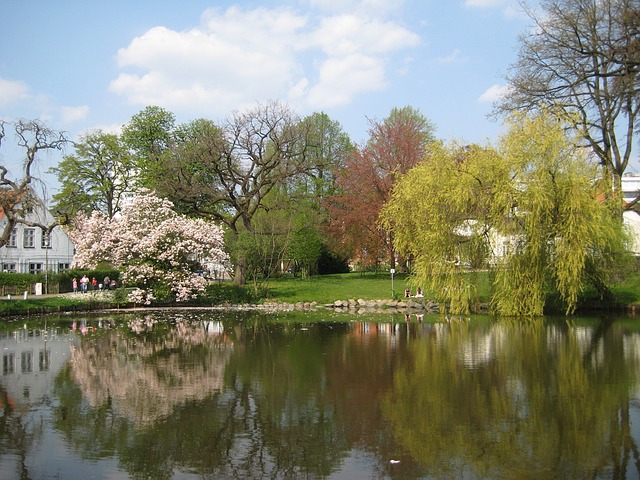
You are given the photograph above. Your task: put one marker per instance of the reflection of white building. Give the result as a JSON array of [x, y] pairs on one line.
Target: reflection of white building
[[30, 249], [31, 359]]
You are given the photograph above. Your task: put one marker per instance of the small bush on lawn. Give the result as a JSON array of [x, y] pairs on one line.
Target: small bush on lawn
[[228, 294]]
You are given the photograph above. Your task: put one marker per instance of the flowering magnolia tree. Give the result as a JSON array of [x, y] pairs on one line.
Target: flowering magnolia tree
[[157, 250]]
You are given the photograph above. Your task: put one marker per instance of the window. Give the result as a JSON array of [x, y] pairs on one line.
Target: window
[[35, 268], [8, 363], [13, 239], [46, 240], [44, 359], [26, 362], [9, 267], [63, 266], [29, 238]]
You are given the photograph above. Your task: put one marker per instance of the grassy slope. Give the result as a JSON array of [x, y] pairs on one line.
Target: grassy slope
[[328, 288]]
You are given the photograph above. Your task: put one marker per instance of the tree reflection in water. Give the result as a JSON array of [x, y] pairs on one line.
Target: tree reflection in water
[[249, 395], [518, 401]]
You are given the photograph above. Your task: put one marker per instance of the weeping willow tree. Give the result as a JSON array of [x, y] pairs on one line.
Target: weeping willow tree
[[532, 209]]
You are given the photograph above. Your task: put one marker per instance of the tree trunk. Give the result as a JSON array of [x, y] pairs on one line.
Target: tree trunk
[[240, 274]]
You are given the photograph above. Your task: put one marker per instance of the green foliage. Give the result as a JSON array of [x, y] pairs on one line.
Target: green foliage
[[96, 177], [532, 208], [149, 134], [306, 241], [65, 278], [37, 305], [330, 262], [228, 294], [22, 280]]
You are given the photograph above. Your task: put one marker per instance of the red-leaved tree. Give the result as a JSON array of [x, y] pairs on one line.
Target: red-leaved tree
[[396, 144]]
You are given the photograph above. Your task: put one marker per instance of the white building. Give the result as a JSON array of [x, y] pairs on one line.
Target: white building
[[30, 250], [631, 218]]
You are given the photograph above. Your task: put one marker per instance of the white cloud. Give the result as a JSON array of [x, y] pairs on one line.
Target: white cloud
[[344, 77], [236, 57], [453, 57], [12, 91], [74, 114], [493, 93]]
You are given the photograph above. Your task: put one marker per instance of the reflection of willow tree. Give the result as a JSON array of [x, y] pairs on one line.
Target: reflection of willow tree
[[539, 406]]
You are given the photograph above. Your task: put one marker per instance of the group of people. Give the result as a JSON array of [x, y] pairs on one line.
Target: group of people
[[107, 284], [419, 294]]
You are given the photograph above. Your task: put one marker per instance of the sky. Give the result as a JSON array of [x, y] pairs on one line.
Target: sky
[[81, 65]]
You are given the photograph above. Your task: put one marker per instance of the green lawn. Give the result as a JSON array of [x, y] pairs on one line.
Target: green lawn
[[328, 288], [374, 286]]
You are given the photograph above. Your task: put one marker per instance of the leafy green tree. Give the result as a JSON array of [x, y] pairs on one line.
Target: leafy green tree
[[227, 172], [328, 147], [307, 242], [97, 177], [535, 203], [149, 134], [582, 62]]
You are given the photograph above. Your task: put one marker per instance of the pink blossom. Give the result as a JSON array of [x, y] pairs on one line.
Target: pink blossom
[[152, 245]]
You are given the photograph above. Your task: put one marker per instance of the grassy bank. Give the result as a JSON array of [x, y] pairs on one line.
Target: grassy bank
[[34, 305], [321, 289]]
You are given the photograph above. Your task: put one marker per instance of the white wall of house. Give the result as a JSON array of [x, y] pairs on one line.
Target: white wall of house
[[630, 186], [30, 252], [631, 222], [631, 219]]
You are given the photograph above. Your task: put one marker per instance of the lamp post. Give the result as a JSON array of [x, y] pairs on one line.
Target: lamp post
[[393, 271], [46, 262]]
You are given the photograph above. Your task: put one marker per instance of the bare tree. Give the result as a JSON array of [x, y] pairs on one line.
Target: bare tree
[[17, 196], [581, 61], [226, 172]]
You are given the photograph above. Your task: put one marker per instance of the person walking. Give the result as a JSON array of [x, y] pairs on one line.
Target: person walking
[[84, 283]]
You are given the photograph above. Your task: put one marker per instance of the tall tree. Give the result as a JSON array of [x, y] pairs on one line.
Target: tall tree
[[534, 203], [17, 195], [97, 177], [328, 147], [227, 172], [149, 134], [396, 144], [581, 60]]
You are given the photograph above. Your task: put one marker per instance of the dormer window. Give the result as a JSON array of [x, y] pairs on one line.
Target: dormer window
[[29, 239]]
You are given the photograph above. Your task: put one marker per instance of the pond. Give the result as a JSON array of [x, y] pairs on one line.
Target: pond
[[212, 394]]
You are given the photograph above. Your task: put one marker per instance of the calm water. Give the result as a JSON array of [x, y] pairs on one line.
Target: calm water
[[247, 395]]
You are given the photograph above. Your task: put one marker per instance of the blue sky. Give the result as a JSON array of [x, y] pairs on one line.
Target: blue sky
[[82, 65]]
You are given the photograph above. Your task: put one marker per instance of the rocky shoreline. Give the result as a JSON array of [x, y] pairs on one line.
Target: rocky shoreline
[[359, 306]]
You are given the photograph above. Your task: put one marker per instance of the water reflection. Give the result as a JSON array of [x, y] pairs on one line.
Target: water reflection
[[247, 395]]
